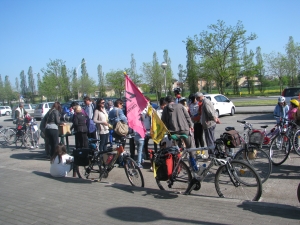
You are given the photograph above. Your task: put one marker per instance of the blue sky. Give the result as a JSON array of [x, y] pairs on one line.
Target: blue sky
[[108, 32]]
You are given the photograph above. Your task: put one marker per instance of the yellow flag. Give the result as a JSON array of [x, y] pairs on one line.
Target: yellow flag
[[158, 128]]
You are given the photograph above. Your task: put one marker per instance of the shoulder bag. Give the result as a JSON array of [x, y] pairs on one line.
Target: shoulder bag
[[121, 128]]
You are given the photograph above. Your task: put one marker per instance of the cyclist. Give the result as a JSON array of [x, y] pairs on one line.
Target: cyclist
[[281, 109], [293, 109]]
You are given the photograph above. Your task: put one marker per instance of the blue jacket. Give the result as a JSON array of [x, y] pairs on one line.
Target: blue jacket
[[281, 111], [113, 118]]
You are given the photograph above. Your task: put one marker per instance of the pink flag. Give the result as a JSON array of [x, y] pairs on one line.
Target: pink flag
[[135, 104]]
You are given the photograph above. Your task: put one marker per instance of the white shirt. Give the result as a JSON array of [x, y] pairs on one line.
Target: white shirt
[[61, 169]]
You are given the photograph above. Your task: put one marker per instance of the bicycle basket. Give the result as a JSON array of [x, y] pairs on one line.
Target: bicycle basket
[[256, 137]]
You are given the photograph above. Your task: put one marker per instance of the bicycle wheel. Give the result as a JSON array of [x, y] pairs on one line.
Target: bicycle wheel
[[9, 136], [240, 182], [257, 158], [90, 172], [298, 192], [296, 141], [133, 172], [180, 180], [27, 140], [280, 149]]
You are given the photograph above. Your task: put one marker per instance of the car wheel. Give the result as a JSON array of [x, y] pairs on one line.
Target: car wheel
[[217, 113], [7, 113], [232, 111]]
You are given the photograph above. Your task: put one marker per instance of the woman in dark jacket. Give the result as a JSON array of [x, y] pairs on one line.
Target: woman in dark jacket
[[50, 122], [80, 128]]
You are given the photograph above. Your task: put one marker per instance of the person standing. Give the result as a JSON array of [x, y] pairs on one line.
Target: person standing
[[177, 93], [208, 120], [196, 110], [20, 113], [89, 110], [80, 128], [177, 120], [281, 109], [51, 121], [101, 120]]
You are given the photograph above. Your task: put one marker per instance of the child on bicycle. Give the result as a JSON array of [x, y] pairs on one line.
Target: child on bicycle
[[281, 109]]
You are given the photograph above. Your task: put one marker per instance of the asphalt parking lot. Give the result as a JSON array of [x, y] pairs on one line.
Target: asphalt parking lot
[[29, 195]]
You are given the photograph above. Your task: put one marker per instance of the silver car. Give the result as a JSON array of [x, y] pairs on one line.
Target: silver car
[[41, 109]]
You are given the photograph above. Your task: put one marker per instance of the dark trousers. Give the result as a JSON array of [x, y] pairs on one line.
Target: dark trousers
[[132, 147], [92, 135], [198, 135], [81, 140], [52, 136], [146, 141], [103, 141]]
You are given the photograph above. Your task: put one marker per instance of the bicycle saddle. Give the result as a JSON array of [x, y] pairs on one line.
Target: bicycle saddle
[[264, 126], [229, 128]]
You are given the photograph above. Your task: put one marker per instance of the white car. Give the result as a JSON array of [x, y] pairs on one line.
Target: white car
[[222, 104], [5, 110], [41, 109]]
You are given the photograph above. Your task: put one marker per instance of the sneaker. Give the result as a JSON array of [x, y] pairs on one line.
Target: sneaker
[[31, 147], [143, 161], [37, 146], [151, 169], [140, 166]]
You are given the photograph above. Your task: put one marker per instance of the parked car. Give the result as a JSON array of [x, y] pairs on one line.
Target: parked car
[[221, 104], [5, 110], [41, 109], [291, 93], [28, 108]]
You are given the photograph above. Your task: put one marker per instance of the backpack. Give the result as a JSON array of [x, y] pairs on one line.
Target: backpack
[[231, 139], [164, 163], [82, 156]]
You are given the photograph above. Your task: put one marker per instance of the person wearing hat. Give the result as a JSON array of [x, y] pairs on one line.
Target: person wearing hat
[[208, 120], [294, 104]]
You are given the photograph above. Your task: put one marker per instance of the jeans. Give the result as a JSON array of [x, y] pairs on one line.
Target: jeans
[[103, 142], [140, 145]]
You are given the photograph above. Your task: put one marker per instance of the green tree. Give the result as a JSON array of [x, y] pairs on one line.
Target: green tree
[[2, 91], [134, 76], [169, 72], [217, 46], [87, 84], [8, 92], [31, 85], [277, 66], [74, 84], [23, 83], [260, 70], [249, 70], [292, 70], [101, 85], [192, 67], [17, 85], [64, 85], [116, 81]]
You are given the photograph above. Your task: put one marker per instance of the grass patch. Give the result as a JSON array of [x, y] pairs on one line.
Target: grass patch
[[265, 102]]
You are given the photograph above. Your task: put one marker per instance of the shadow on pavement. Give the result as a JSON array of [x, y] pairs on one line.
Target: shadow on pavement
[[272, 209], [145, 215], [285, 172], [261, 117], [30, 155], [63, 179]]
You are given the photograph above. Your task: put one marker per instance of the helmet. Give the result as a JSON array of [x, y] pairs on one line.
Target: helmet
[[281, 99], [182, 99], [177, 89], [295, 102]]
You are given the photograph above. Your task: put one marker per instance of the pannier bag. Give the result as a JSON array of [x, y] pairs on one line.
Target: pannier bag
[[256, 137], [164, 162], [231, 139], [82, 156]]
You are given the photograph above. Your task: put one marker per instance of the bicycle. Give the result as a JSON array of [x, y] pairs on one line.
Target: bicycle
[[32, 135], [251, 150], [280, 146], [100, 163], [234, 178], [7, 135]]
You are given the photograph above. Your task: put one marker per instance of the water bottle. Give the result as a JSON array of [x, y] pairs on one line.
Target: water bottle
[[193, 163], [202, 168], [109, 158]]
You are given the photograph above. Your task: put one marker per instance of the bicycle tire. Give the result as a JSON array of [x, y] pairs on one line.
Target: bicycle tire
[[280, 148], [90, 172], [9, 136], [249, 186], [260, 161], [27, 140], [296, 142], [133, 172], [298, 192], [181, 180]]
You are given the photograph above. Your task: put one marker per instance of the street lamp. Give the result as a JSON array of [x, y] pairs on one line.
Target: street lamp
[[164, 66]]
